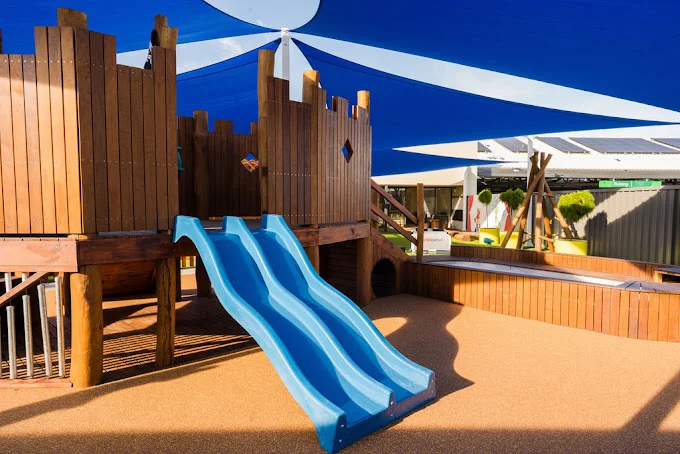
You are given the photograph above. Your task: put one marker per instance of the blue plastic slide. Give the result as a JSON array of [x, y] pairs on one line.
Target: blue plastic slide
[[344, 374]]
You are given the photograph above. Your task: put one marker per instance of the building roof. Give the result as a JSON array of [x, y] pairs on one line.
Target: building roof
[[587, 157]]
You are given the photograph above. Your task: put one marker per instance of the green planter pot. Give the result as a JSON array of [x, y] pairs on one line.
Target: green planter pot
[[512, 242], [574, 247], [492, 233]]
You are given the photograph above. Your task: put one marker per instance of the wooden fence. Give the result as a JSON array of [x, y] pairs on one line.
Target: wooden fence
[[620, 312], [215, 182], [87, 145], [640, 270], [315, 163]]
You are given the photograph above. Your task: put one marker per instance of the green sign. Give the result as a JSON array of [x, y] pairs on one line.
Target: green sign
[[629, 183]]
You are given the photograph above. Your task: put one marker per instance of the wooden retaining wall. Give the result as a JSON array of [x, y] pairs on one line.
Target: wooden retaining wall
[[619, 312], [87, 145], [640, 270], [213, 171]]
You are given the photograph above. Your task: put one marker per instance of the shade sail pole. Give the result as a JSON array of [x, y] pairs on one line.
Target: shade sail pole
[[285, 53]]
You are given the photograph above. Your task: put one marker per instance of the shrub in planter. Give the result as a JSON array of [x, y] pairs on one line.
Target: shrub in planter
[[574, 207], [513, 198], [488, 233]]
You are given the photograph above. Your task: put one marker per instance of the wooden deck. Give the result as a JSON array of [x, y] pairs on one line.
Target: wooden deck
[[204, 330]]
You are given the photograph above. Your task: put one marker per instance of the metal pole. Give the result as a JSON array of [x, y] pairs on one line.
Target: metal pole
[[285, 54], [60, 327], [28, 335], [8, 282], [45, 331], [11, 343], [24, 276]]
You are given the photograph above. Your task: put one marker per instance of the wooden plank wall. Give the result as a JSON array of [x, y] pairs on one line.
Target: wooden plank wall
[[233, 190], [607, 310], [384, 249], [339, 266], [309, 181], [640, 270], [86, 145]]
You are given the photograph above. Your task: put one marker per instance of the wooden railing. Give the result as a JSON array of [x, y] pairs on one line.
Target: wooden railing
[[377, 214]]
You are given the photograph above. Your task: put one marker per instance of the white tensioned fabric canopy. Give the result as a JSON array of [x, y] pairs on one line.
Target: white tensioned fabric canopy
[[438, 72]]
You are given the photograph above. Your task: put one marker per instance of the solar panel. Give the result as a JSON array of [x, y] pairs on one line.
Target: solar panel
[[671, 142], [563, 145], [616, 145], [483, 148], [513, 144]]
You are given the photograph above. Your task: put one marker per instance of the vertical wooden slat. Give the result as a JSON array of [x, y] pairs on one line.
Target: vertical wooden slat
[[643, 316], [286, 155], [581, 307], [161, 137], [127, 202], [99, 131], [597, 310], [112, 147], [19, 133], [557, 303], [674, 318], [526, 297], [294, 164], [32, 145], [171, 134], [664, 307], [590, 306], [606, 309], [614, 312], [533, 308], [7, 149], [565, 302], [72, 153], [137, 147], [486, 290], [85, 130], [148, 96], [301, 164], [633, 314], [623, 313], [308, 163], [58, 136], [653, 317]]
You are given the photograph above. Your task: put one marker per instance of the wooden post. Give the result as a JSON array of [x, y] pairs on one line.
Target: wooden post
[[87, 327], [375, 201], [201, 165], [527, 198], [265, 69], [548, 228], [538, 225], [364, 100], [67, 17], [525, 215], [421, 221], [314, 257], [310, 82], [202, 280], [165, 325], [0, 41], [364, 268], [167, 36]]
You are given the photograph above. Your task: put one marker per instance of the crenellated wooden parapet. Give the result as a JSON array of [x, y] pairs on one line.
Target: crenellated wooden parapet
[[87, 145], [305, 174]]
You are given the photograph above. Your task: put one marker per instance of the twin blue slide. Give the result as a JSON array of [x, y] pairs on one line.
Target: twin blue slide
[[337, 365]]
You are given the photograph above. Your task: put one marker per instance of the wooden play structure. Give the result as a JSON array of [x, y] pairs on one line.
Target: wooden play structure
[[542, 227], [90, 185]]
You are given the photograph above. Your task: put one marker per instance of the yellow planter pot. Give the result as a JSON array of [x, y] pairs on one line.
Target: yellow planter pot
[[492, 233], [512, 242], [574, 247]]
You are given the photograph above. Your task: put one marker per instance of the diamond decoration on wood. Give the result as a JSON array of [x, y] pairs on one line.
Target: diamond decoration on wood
[[347, 150], [250, 162]]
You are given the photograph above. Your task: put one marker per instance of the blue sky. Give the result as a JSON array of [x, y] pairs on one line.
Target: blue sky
[[293, 13]]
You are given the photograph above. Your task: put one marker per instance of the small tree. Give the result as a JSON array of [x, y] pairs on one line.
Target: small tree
[[575, 206], [512, 198], [485, 197]]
